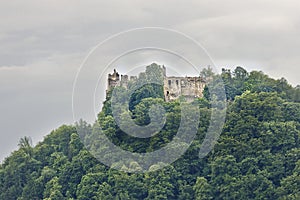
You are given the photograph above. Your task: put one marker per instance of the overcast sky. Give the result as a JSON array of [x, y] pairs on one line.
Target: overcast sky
[[43, 43]]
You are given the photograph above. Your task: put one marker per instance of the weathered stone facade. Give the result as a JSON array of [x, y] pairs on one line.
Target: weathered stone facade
[[174, 87], [188, 87], [115, 80]]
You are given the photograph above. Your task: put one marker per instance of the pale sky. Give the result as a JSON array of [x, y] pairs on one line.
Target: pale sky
[[43, 43]]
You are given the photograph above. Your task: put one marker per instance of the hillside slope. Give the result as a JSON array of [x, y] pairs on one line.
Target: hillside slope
[[256, 157]]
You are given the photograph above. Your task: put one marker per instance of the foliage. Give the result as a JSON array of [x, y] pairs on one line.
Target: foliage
[[256, 157]]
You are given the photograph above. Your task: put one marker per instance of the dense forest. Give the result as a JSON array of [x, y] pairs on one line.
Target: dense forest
[[256, 157]]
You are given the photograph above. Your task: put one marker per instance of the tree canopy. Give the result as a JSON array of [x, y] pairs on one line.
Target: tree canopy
[[256, 157]]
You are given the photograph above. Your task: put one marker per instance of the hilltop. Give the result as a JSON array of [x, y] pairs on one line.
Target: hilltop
[[256, 157]]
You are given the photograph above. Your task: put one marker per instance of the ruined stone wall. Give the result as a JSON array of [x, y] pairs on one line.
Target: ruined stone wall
[[188, 87], [174, 87], [113, 80], [116, 80]]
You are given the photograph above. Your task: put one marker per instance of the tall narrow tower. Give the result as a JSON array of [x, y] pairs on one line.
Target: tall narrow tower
[[113, 80]]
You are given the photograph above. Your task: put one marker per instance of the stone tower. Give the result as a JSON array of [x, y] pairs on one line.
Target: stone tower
[[113, 80]]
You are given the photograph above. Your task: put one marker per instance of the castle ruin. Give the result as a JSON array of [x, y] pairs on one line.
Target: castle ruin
[[174, 87]]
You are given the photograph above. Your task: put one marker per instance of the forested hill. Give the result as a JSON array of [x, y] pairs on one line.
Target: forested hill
[[256, 157]]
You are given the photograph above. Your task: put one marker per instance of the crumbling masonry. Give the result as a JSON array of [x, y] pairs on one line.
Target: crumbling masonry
[[174, 87]]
